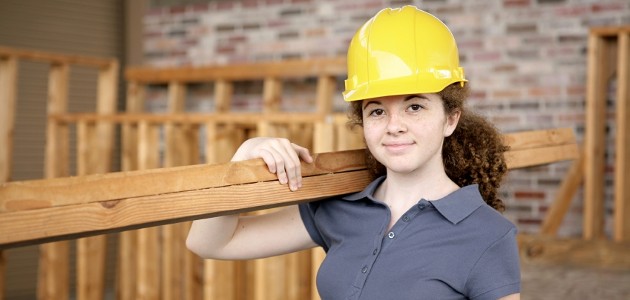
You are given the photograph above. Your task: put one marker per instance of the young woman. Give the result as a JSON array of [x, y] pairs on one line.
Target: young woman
[[427, 227]]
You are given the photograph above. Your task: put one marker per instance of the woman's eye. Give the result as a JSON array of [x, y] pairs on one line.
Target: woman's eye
[[377, 112], [415, 107]]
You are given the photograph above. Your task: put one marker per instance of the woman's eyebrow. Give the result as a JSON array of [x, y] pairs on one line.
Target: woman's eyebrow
[[371, 102], [416, 96]]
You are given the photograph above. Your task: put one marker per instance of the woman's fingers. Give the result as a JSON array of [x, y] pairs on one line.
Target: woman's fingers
[[281, 157]]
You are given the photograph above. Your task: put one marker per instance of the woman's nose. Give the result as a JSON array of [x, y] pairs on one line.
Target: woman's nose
[[396, 124]]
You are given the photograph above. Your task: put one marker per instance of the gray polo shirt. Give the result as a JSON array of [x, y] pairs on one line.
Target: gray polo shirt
[[456, 247]]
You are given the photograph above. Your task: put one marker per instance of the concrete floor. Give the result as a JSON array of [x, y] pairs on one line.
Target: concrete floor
[[541, 282]]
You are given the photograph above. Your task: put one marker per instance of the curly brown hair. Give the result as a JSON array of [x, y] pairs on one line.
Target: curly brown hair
[[473, 154]]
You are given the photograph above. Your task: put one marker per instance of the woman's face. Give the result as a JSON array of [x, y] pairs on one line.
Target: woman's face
[[405, 133]]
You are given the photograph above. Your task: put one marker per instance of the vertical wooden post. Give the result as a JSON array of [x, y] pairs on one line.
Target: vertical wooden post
[[325, 88], [177, 154], [127, 256], [220, 279], [599, 71], [8, 93], [106, 104], [148, 266], [272, 93], [622, 162], [91, 250], [54, 271]]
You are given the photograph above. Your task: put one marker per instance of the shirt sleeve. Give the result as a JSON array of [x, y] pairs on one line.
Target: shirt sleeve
[[307, 213], [497, 272]]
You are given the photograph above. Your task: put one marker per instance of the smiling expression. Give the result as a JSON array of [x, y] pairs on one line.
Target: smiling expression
[[405, 132]]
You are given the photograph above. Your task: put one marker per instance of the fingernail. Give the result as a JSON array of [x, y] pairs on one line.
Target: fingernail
[[293, 187]]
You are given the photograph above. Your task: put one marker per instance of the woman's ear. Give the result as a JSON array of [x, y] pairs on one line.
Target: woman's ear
[[451, 122]]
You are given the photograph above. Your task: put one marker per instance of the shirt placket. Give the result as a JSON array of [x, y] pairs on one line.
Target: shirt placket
[[383, 241]]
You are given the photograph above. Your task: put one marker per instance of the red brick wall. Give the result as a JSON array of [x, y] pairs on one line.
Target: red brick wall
[[525, 59]]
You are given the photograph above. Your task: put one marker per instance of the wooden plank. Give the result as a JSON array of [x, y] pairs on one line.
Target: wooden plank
[[245, 71], [8, 91], [8, 94], [95, 154], [90, 271], [195, 118], [599, 72], [53, 274], [126, 268], [596, 254], [54, 58], [610, 31], [107, 198], [326, 86], [3, 263], [571, 182], [57, 140], [177, 154], [107, 93], [539, 156], [148, 262], [91, 251], [622, 142], [223, 91], [127, 240]]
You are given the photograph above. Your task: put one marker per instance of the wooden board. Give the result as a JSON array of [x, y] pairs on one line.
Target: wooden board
[[99, 203]]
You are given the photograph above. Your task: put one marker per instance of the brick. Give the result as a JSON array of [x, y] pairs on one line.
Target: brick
[[572, 11], [177, 9], [507, 94], [487, 56], [225, 5], [550, 1], [529, 221], [544, 91], [529, 195], [576, 90], [507, 67], [608, 7], [581, 39], [516, 3], [523, 53], [521, 28], [249, 4], [273, 2]]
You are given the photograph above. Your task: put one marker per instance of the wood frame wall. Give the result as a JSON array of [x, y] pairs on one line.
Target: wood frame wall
[[128, 205]]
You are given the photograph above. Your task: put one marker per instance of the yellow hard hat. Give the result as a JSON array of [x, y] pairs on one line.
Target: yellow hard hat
[[401, 51]]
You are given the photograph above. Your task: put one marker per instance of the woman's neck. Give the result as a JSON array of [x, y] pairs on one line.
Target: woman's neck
[[404, 190]]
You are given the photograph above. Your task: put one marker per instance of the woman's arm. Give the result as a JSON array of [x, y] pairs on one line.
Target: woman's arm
[[511, 297], [249, 237]]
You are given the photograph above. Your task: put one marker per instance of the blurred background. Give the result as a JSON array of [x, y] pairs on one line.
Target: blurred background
[[526, 61]]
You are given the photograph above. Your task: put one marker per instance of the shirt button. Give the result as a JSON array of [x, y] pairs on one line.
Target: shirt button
[[375, 251], [391, 235], [364, 270], [405, 218], [422, 206]]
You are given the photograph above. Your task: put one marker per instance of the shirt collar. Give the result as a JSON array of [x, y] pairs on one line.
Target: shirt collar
[[454, 207]]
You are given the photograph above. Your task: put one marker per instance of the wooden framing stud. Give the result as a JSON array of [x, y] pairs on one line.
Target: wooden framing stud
[[622, 146]]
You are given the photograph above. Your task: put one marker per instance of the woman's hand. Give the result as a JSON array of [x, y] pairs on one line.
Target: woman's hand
[[281, 156]]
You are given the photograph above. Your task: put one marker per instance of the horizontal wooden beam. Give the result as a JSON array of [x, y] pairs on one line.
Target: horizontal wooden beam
[[245, 71], [56, 58], [193, 118], [44, 210], [605, 254], [41, 210], [610, 30]]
